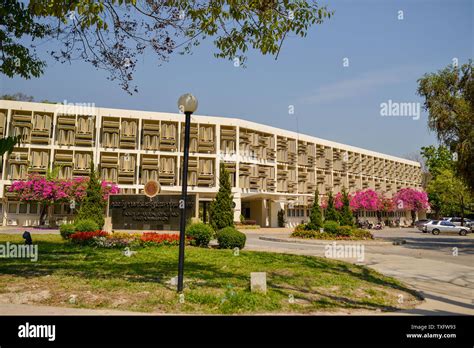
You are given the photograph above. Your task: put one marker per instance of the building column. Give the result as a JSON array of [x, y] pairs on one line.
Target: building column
[[238, 206], [196, 207]]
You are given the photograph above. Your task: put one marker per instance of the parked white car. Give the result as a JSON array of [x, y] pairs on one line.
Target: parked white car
[[457, 221], [438, 226]]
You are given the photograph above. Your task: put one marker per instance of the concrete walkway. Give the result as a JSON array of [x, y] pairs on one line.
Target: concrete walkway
[[25, 309]]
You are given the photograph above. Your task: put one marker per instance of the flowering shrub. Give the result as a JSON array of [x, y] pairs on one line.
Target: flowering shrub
[[365, 200], [153, 238], [124, 235], [411, 199], [117, 240], [109, 188], [86, 237], [111, 242], [38, 188]]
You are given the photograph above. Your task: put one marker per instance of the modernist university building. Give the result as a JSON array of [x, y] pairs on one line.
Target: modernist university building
[[270, 168]]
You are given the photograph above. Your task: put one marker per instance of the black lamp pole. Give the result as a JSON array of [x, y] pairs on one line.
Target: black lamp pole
[[184, 198]]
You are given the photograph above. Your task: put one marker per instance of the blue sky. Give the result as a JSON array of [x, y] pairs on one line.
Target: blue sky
[[386, 57]]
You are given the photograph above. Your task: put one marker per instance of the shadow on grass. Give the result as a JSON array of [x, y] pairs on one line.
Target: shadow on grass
[[88, 263], [359, 272]]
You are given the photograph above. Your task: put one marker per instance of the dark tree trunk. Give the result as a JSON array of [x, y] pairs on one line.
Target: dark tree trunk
[[43, 214], [413, 217]]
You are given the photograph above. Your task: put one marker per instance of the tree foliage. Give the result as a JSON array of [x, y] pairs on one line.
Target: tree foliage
[[95, 201], [221, 209], [17, 22], [411, 200], [315, 217], [8, 144], [112, 34], [454, 195], [346, 217], [449, 100], [437, 159], [331, 214]]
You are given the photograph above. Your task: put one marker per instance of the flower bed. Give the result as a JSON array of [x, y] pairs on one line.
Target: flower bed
[[86, 237], [102, 239], [159, 238], [341, 233]]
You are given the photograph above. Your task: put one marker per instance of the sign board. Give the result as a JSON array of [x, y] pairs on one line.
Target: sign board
[[139, 212]]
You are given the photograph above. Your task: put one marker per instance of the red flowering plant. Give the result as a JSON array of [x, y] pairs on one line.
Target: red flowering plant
[[153, 238], [85, 238], [412, 200]]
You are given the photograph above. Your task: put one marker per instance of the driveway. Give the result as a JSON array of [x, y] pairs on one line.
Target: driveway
[[440, 267]]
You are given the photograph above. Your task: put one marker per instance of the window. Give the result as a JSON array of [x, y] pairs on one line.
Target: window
[[57, 209], [33, 208], [23, 208], [12, 207], [67, 208]]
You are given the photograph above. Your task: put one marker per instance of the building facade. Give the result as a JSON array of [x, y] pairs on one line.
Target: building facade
[[270, 168]]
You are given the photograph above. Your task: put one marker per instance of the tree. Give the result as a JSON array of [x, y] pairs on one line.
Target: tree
[[112, 34], [346, 216], [385, 205], [8, 144], [48, 190], [331, 214], [95, 201], [449, 100], [411, 200], [17, 23], [315, 217], [18, 97], [453, 193], [438, 159], [221, 209], [367, 200]]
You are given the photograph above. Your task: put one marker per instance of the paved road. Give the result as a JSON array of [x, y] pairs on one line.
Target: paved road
[[441, 267]]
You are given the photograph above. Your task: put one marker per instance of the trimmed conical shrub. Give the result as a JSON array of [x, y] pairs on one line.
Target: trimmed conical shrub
[[221, 213]]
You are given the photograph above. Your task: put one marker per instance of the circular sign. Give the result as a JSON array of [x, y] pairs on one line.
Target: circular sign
[[152, 188]]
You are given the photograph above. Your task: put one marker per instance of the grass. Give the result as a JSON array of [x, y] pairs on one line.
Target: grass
[[216, 281]]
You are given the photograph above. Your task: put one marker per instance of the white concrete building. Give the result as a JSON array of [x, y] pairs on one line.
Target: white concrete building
[[271, 168]]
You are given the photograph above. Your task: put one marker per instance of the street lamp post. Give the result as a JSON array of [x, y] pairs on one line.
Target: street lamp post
[[187, 103]]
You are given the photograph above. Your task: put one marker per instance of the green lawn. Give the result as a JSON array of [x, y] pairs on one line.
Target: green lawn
[[216, 281]]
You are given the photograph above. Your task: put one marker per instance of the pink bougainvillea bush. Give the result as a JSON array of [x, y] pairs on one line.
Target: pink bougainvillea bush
[[365, 200], [38, 188], [47, 191], [386, 204], [109, 188], [411, 199]]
